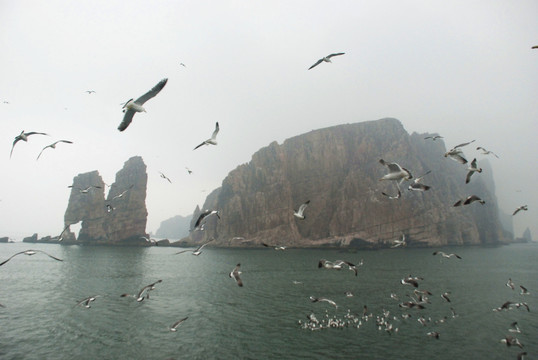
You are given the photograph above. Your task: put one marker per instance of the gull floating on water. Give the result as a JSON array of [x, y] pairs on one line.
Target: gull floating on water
[[443, 254], [396, 172], [325, 59], [177, 323], [468, 200], [522, 207], [486, 152], [131, 107], [24, 137], [53, 146], [213, 139], [300, 213], [472, 169], [235, 275], [29, 253]]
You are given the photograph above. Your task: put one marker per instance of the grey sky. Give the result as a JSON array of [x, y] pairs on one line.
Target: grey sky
[[464, 69]]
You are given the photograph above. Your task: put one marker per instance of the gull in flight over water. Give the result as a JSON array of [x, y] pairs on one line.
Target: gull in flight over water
[[29, 253], [468, 200], [53, 146], [397, 196], [445, 255], [300, 213], [235, 275], [337, 265], [213, 139], [277, 247], [24, 137], [522, 207], [177, 323], [131, 107], [144, 292], [398, 242], [202, 216], [322, 299], [325, 59], [86, 302], [197, 251], [472, 169]]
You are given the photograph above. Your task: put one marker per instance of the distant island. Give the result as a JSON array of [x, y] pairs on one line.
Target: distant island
[[336, 168]]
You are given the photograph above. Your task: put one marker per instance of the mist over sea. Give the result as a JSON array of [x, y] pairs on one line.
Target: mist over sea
[[260, 320]]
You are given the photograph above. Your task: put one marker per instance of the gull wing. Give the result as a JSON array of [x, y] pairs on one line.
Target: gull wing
[[468, 177], [154, 91], [303, 207], [393, 167], [11, 257], [49, 255], [177, 323], [316, 64], [464, 144], [127, 118], [214, 135], [336, 54]]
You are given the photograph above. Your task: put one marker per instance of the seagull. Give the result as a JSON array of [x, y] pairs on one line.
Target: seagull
[[165, 177], [203, 215], [487, 152], [337, 265], [433, 137], [417, 186], [397, 196], [123, 193], [90, 91], [445, 296], [433, 334], [398, 242], [443, 254], [468, 200], [510, 340], [396, 172], [53, 146], [182, 64], [505, 306], [29, 253], [131, 107], [314, 299], [409, 281], [24, 137], [86, 302], [472, 169], [456, 154], [522, 207], [188, 170], [197, 251], [524, 290], [235, 275], [510, 284], [524, 304], [144, 292], [148, 239], [213, 140], [177, 323], [325, 59], [277, 247], [514, 328], [299, 213], [86, 190]]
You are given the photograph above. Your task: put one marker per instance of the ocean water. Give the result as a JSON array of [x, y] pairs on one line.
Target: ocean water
[[260, 320]]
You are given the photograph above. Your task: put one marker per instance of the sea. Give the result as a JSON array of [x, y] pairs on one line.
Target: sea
[[272, 315]]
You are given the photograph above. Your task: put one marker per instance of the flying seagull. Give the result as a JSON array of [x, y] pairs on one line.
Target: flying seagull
[[397, 196], [487, 152], [396, 172], [144, 292], [417, 186], [235, 275], [445, 255], [276, 247], [510, 284], [85, 190], [322, 299], [86, 302], [165, 177], [24, 137], [90, 91], [177, 323], [522, 207], [337, 265], [468, 200], [188, 170], [131, 107], [53, 146], [457, 154], [123, 193], [524, 290], [472, 169], [300, 213], [203, 216], [213, 140], [398, 242], [445, 296], [148, 239], [325, 59], [433, 137], [197, 251], [29, 253]]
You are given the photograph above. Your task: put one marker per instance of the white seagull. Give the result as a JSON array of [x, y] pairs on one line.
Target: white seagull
[[396, 172], [196, 251], [131, 107], [177, 323], [468, 200], [202, 216], [456, 154], [486, 152], [90, 91], [398, 242], [445, 255], [85, 190], [325, 59], [235, 275], [29, 253], [322, 299], [435, 137], [417, 186], [472, 169], [397, 196], [86, 302], [53, 146], [24, 137], [522, 207], [123, 193], [144, 292], [213, 140], [300, 213]]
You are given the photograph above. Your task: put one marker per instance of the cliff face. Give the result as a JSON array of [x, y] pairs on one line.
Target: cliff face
[[338, 170], [123, 220], [174, 228]]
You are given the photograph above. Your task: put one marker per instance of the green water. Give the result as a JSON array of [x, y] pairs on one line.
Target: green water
[[261, 319]]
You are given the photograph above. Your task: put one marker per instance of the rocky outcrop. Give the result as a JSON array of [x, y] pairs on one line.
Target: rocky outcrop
[[4, 239], [121, 218], [174, 228], [30, 239], [338, 170]]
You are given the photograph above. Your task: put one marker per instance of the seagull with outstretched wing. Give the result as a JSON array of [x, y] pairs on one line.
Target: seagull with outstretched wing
[[131, 107]]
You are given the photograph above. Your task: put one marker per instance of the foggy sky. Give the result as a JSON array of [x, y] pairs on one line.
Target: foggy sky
[[462, 69]]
